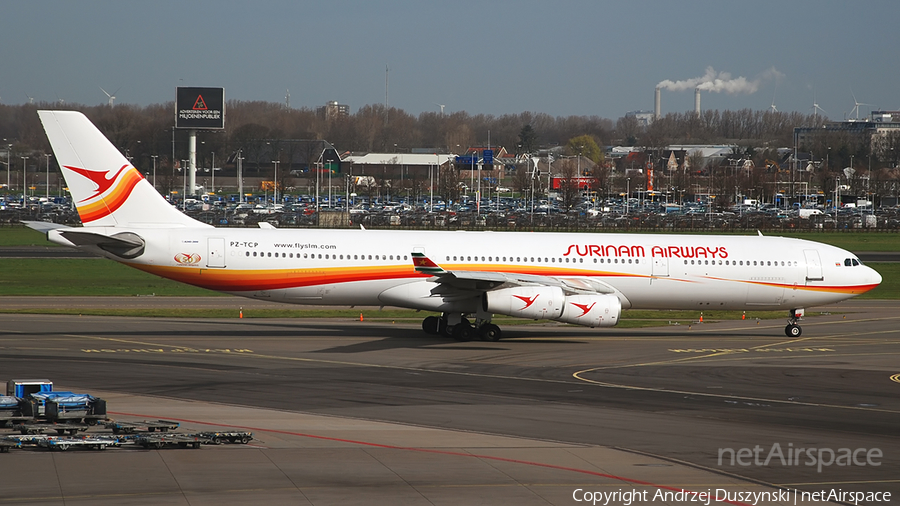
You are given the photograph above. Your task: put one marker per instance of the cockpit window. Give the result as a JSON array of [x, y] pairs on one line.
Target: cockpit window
[[851, 262], [855, 261]]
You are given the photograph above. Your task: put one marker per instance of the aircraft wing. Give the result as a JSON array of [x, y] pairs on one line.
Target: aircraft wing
[[468, 281]]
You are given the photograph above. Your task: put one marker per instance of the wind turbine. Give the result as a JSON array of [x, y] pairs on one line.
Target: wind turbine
[[442, 108], [30, 98], [112, 98], [774, 109], [856, 104], [816, 108], [59, 100]]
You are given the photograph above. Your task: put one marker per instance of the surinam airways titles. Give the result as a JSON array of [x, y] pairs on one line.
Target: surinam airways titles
[[610, 250]]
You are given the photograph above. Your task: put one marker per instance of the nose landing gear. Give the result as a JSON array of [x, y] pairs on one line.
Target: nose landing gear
[[792, 329]]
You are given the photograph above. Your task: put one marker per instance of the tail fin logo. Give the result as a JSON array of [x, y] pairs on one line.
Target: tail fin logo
[[110, 194], [99, 178]]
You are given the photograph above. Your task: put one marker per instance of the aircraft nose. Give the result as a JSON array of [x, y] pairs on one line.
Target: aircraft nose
[[874, 276]]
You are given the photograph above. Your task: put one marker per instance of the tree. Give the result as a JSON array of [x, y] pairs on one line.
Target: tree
[[528, 139], [586, 146], [569, 190]]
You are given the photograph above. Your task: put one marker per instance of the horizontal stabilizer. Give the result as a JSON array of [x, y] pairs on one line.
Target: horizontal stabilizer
[[125, 245], [43, 226]]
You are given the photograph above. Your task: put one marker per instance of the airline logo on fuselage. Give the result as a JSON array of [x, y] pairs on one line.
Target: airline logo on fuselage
[[637, 251], [113, 189], [187, 258]]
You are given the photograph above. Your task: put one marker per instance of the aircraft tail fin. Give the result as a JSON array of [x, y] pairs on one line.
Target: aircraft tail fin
[[107, 190]]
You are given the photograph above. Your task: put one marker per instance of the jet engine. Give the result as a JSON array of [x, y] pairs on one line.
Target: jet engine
[[535, 302], [591, 310]]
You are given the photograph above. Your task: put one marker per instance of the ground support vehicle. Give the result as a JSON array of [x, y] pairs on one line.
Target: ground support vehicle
[[159, 440], [68, 406], [60, 428], [12, 410], [230, 437], [27, 439], [6, 444], [143, 426], [91, 442]]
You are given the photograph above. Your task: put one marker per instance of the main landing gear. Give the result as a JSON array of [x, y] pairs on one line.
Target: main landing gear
[[792, 329], [457, 326]]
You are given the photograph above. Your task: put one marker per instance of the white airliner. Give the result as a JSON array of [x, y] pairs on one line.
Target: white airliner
[[579, 278]]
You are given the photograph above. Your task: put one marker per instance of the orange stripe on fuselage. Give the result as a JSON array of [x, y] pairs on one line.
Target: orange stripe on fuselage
[[850, 289], [232, 280]]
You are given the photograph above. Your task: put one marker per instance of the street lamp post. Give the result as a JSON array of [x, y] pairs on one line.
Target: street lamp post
[[627, 193], [24, 174], [8, 163], [275, 191], [154, 157], [47, 189]]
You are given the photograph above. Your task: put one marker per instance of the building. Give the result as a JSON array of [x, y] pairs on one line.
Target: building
[[333, 110]]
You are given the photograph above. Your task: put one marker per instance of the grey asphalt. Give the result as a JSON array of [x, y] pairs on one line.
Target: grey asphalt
[[378, 413]]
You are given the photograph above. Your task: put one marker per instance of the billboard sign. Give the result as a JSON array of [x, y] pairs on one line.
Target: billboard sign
[[200, 108]]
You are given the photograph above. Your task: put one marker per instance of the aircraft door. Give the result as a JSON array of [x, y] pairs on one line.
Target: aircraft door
[[660, 268], [215, 257], [813, 265]]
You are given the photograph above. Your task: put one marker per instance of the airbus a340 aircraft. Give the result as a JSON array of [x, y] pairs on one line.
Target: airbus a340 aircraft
[[583, 279]]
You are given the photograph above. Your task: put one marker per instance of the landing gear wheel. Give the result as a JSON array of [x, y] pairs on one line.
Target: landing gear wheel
[[463, 331], [431, 325], [489, 332], [793, 330]]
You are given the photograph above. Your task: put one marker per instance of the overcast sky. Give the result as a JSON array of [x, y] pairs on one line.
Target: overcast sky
[[562, 58]]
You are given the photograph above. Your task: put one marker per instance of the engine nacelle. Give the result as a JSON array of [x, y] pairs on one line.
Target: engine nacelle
[[591, 310], [535, 302]]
